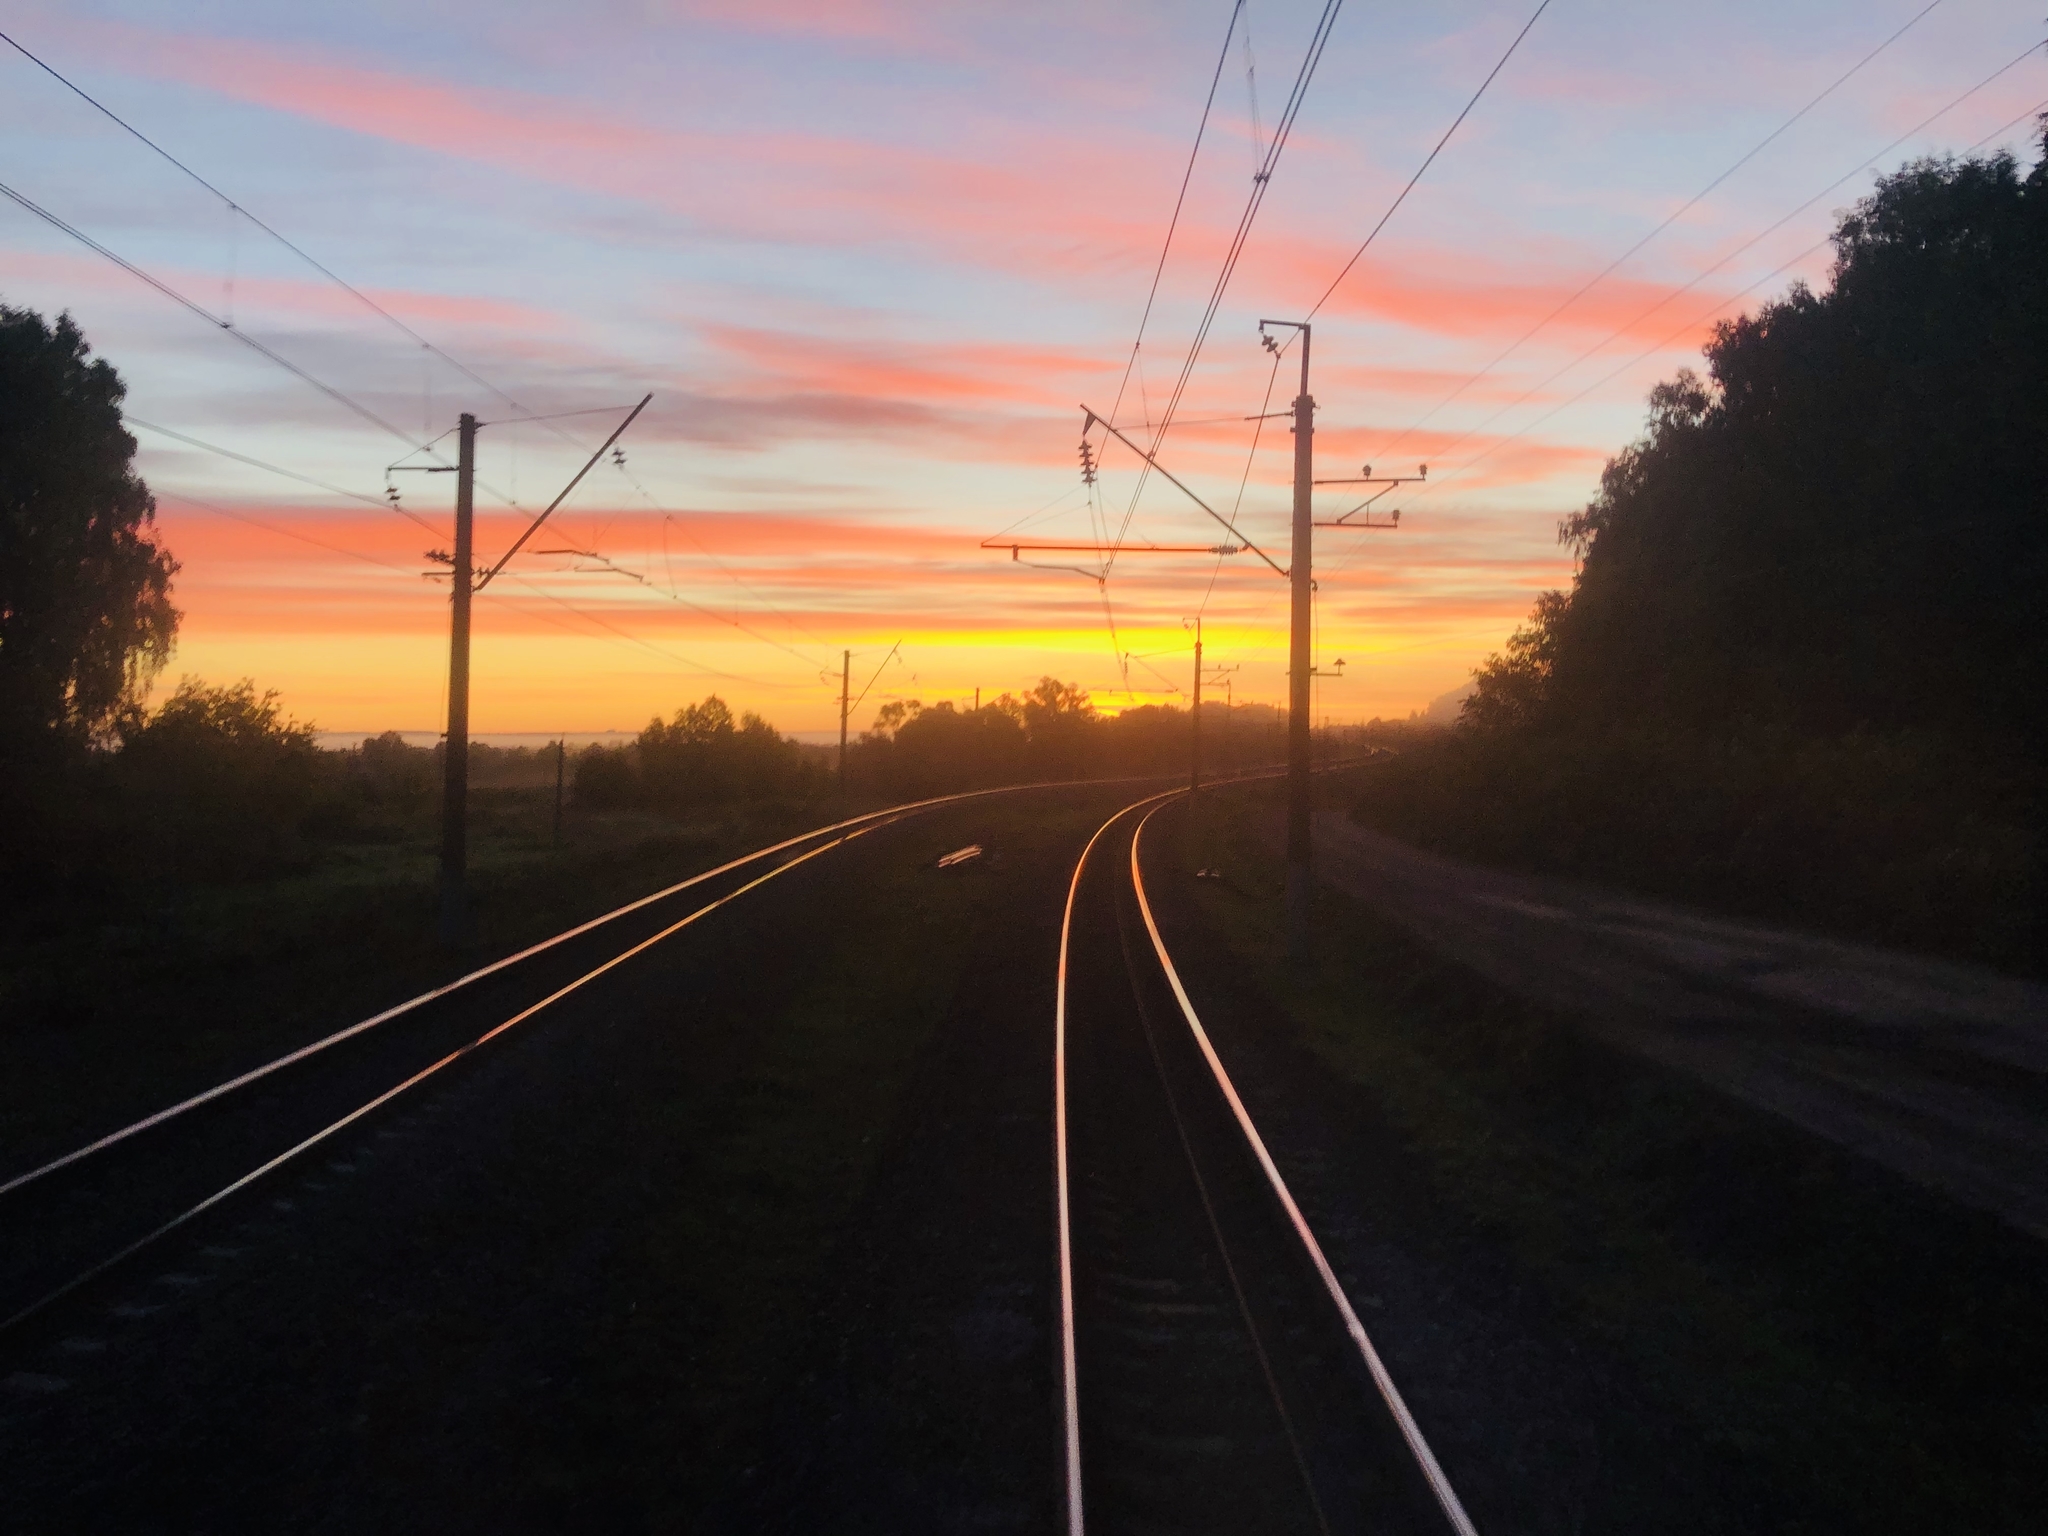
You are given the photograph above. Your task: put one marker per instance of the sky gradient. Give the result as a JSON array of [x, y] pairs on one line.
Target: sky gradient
[[870, 259]]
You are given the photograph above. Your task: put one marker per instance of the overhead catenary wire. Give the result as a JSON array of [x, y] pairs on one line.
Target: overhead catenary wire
[[1672, 218], [613, 568], [1719, 304], [1283, 128], [276, 469], [1700, 277], [646, 645], [283, 533], [1180, 200], [1750, 288], [1429, 160], [669, 516], [240, 210], [212, 319]]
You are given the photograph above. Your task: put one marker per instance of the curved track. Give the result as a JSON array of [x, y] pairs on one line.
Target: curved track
[[82, 1215], [1215, 1376]]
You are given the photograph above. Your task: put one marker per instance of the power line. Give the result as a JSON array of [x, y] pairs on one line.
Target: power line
[[1173, 223], [1282, 129], [311, 261], [607, 564], [205, 314], [646, 645], [285, 533], [1778, 271], [1752, 287], [670, 517], [1605, 272], [1622, 330], [1440, 143], [275, 469]]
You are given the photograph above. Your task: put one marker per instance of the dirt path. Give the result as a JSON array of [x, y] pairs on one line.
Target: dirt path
[[1937, 1071]]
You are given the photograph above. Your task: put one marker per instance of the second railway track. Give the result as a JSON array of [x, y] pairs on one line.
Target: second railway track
[[74, 1217], [1215, 1377]]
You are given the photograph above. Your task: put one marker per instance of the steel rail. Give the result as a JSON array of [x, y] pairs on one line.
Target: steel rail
[[230, 1189], [206, 1096], [1076, 1525], [1425, 1458]]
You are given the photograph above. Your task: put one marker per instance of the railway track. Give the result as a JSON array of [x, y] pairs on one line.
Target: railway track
[[1215, 1375], [77, 1219]]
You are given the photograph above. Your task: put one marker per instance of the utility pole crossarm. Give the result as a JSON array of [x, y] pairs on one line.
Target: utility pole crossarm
[[534, 527], [1093, 418]]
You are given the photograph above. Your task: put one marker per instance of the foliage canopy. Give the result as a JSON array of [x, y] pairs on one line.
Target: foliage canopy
[[85, 609], [1841, 528]]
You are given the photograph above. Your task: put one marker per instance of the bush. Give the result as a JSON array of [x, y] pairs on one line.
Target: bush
[[219, 782]]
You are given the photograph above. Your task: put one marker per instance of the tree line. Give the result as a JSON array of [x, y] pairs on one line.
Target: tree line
[[1802, 665]]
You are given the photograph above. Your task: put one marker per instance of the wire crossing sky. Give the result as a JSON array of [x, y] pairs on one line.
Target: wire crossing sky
[[869, 257]]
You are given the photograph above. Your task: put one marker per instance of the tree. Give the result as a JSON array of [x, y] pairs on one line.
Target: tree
[[221, 780], [85, 611], [1844, 527]]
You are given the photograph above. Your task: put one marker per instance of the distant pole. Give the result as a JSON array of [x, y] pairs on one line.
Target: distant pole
[[1195, 735], [977, 700], [561, 756], [1298, 717], [454, 924], [845, 685]]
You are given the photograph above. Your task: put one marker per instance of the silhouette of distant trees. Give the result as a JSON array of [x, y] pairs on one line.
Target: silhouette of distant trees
[[703, 756], [1803, 663]]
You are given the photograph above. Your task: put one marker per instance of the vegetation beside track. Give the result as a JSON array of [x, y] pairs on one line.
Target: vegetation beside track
[[115, 1008], [1835, 1349]]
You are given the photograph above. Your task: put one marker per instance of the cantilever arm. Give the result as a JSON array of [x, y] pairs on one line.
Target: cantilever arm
[[1191, 496], [534, 527]]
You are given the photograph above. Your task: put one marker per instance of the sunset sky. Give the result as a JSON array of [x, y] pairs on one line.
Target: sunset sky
[[870, 258]]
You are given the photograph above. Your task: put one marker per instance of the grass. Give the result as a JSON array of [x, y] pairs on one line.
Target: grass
[[114, 1009], [1851, 1352]]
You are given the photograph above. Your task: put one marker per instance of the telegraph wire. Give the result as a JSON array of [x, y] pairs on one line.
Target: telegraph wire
[[1604, 273], [1430, 159]]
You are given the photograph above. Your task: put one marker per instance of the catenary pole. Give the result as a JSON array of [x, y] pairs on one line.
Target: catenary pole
[[1301, 579], [845, 687], [454, 924], [561, 760], [1195, 754]]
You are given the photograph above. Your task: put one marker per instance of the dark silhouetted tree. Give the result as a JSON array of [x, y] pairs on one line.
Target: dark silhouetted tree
[[1845, 527], [85, 611]]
